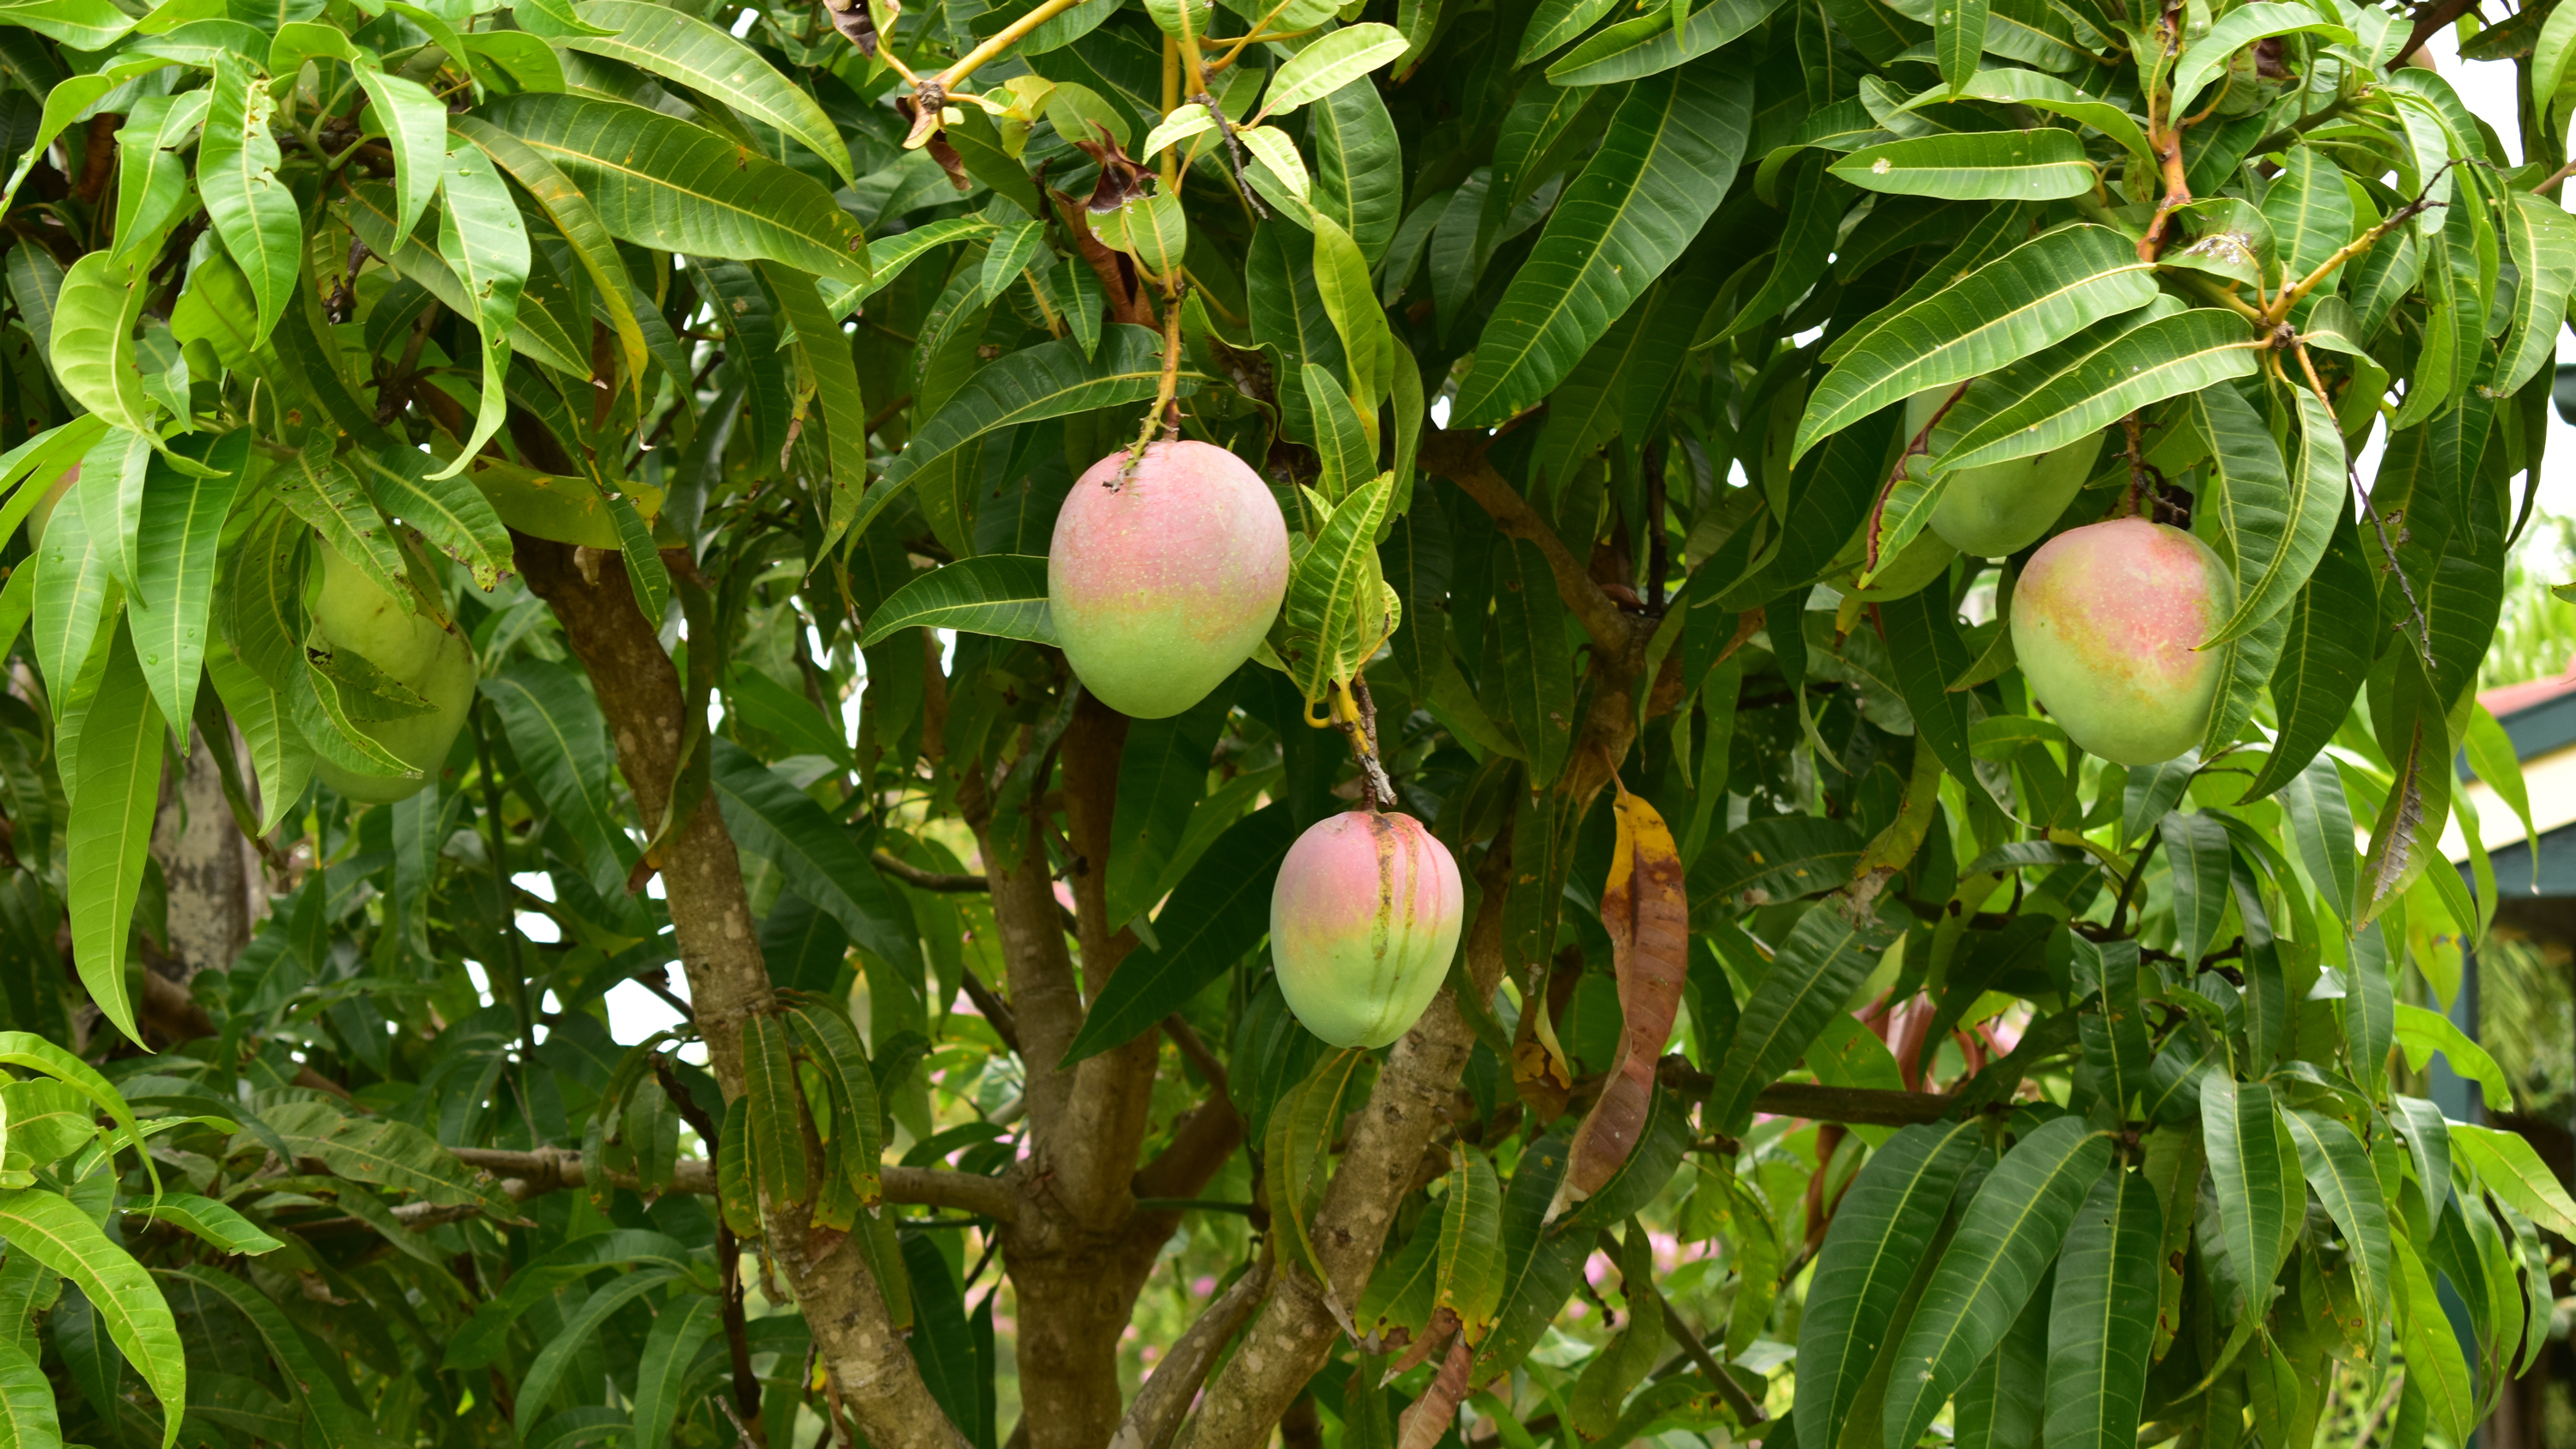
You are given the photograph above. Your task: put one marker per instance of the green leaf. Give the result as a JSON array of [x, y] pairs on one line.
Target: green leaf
[[449, 512], [2542, 240], [481, 238], [2435, 1367], [565, 1347], [2037, 294], [321, 490], [1816, 209], [2091, 380], [1303, 1128], [2197, 852], [1001, 594], [2276, 522], [415, 125], [1359, 167], [2325, 656], [67, 100], [2006, 1237], [777, 1112], [1649, 45], [1959, 38], [2310, 212], [1667, 159], [383, 1153], [662, 1372], [279, 753], [678, 46], [1327, 64], [2239, 28], [1050, 380], [73, 579], [824, 363], [772, 818], [1219, 911], [2011, 85], [1880, 1234], [183, 517], [534, 333], [1470, 1282], [661, 182], [1824, 960], [210, 1220], [2338, 1170], [151, 176], [251, 208], [1338, 609], [93, 341], [1162, 780], [579, 223], [2422, 1033], [2236, 1128], [2509, 1167], [114, 797], [561, 741], [2117, 1057], [1554, 23], [78, 24], [27, 1418], [60, 1236], [2102, 1319], [1781, 858], [834, 1046], [2037, 165], [1537, 668]]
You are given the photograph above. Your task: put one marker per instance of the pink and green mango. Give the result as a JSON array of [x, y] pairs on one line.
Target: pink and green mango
[[1162, 584], [2105, 621], [1363, 923]]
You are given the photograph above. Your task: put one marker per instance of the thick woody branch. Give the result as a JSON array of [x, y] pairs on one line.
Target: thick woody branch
[[2429, 21], [640, 694], [1157, 1411], [927, 880], [1460, 457], [554, 1169]]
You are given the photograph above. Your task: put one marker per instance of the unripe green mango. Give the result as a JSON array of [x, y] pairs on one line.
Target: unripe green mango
[[1163, 583], [1916, 565], [352, 613], [2000, 508], [1363, 922], [2104, 624]]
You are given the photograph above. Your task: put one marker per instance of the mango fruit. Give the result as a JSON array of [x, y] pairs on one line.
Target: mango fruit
[[1915, 566], [1363, 923], [351, 612], [2105, 621], [2000, 508], [1162, 583]]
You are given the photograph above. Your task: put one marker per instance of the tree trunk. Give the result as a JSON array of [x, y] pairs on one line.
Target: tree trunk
[[640, 693], [216, 890]]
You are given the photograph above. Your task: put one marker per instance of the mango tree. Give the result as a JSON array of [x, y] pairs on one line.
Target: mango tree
[[1485, 719]]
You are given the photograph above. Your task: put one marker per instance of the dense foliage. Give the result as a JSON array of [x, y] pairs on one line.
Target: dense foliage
[[571, 484]]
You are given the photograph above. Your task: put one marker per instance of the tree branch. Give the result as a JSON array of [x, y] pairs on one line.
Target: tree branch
[[2429, 20], [554, 1169], [1162, 1400], [640, 694], [1460, 457], [1814, 1102], [927, 880]]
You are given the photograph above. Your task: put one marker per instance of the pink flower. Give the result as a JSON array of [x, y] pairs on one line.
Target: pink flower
[[1203, 1285]]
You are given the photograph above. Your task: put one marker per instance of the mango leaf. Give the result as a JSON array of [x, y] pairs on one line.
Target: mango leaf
[[383, 1153], [577, 219], [115, 794], [777, 1112], [2088, 383], [2040, 293], [227, 1230], [92, 343], [2338, 1170], [481, 238], [2277, 522], [2038, 165], [662, 1372], [834, 1046], [1958, 40], [564, 1348], [27, 1416], [2006, 1237], [1555, 22], [816, 854], [1825, 958], [251, 209], [51, 1230], [1470, 1281], [1303, 1128], [1219, 911], [2103, 1315], [561, 741], [1878, 1239], [534, 333], [661, 182], [1001, 594], [2011, 85], [2509, 1167], [1327, 64], [1338, 609], [182, 520], [1650, 44], [2435, 1367], [320, 490], [1050, 380], [2325, 656], [415, 126], [2236, 1128], [2423, 1033], [449, 511], [679, 46], [2239, 28], [2542, 240], [1667, 159]]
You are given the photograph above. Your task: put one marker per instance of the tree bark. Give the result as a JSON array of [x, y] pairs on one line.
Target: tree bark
[[640, 694], [216, 893]]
